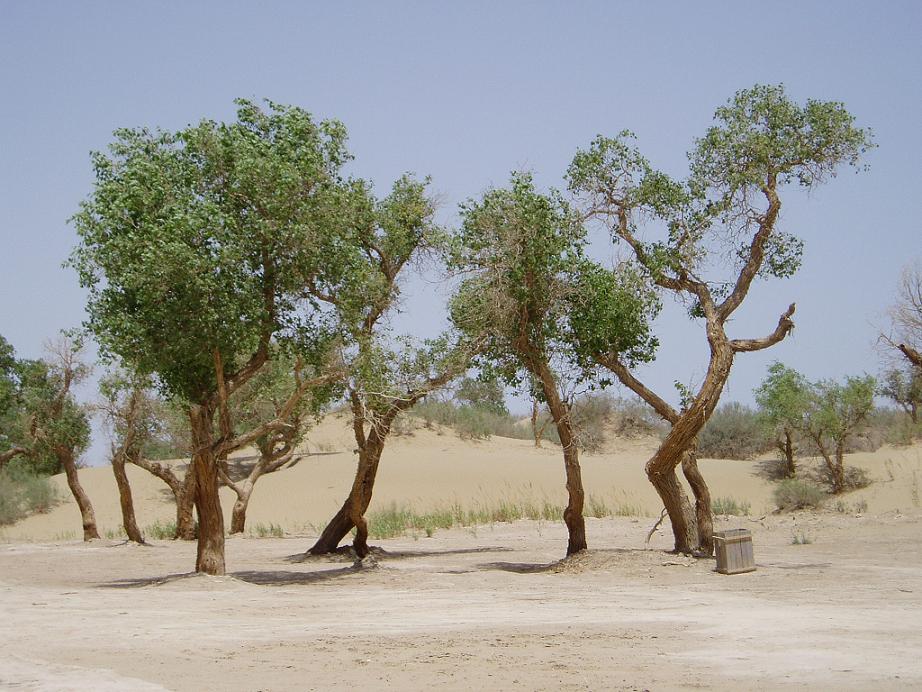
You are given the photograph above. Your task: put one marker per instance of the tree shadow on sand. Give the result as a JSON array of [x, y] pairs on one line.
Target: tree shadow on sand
[[587, 560], [347, 554], [258, 577]]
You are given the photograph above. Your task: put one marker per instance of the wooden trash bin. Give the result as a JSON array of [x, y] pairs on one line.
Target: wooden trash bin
[[734, 551]]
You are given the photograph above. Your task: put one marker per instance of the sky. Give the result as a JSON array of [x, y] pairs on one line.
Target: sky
[[466, 92]]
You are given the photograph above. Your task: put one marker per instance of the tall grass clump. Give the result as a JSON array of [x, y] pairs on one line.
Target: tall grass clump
[[794, 493], [731, 507], [23, 493]]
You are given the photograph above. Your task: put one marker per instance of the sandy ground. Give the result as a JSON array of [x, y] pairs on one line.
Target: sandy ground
[[490, 607], [487, 608]]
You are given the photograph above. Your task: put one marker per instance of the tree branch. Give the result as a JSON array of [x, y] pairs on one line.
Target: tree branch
[[658, 404], [785, 325], [11, 453], [912, 354], [756, 253]]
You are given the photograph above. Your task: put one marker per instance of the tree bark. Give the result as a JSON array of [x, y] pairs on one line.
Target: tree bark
[[184, 495], [210, 552], [704, 515], [356, 503], [913, 355], [129, 522], [787, 449], [243, 490], [573, 514], [87, 515]]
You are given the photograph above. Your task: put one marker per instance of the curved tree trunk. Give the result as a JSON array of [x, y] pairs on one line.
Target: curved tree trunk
[[704, 515], [129, 522], [573, 514], [185, 504], [356, 503], [210, 553], [243, 490], [88, 516]]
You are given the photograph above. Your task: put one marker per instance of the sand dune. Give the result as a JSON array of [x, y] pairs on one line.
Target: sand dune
[[430, 468]]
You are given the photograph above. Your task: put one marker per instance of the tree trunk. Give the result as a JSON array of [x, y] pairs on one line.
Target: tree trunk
[[838, 471], [679, 509], [573, 514], [185, 503], [534, 423], [357, 502], [704, 515], [244, 490], [88, 516], [129, 522], [788, 451], [210, 553]]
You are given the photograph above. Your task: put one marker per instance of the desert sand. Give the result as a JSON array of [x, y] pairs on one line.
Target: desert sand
[[493, 606]]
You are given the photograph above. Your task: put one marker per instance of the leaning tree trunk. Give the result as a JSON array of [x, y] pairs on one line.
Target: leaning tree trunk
[[184, 494], [125, 500], [88, 516], [681, 437], [704, 515], [573, 514], [243, 490], [356, 503], [210, 553]]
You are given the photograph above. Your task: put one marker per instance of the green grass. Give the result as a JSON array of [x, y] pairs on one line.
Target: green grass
[[266, 531], [397, 520], [731, 506], [160, 530]]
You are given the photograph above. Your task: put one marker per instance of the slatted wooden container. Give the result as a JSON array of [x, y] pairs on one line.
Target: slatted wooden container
[[734, 551]]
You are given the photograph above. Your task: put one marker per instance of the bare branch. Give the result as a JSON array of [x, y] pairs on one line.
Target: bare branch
[[658, 404], [785, 325]]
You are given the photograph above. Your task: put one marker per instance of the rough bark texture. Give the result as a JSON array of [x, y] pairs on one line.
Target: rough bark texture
[[129, 522], [786, 447], [573, 514], [183, 494], [358, 500], [87, 515], [210, 553], [239, 512], [704, 516]]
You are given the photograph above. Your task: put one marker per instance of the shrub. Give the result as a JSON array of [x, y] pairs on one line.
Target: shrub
[[794, 493], [733, 432], [855, 478], [730, 506], [23, 493]]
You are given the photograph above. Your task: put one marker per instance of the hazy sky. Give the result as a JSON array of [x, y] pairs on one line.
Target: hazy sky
[[466, 92]]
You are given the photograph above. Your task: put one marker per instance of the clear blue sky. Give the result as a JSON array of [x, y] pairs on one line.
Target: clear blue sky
[[466, 92]]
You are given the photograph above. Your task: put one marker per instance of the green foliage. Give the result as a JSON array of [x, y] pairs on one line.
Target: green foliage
[[533, 295], [23, 492], [270, 530], [161, 530], [733, 432], [40, 413], [903, 386], [203, 240], [783, 398], [794, 493], [486, 394], [761, 139]]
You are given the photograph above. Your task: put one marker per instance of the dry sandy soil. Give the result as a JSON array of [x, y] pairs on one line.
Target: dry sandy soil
[[490, 607]]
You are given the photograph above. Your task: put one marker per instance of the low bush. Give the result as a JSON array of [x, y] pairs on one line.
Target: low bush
[[730, 506], [855, 478], [23, 493], [733, 431], [794, 493]]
